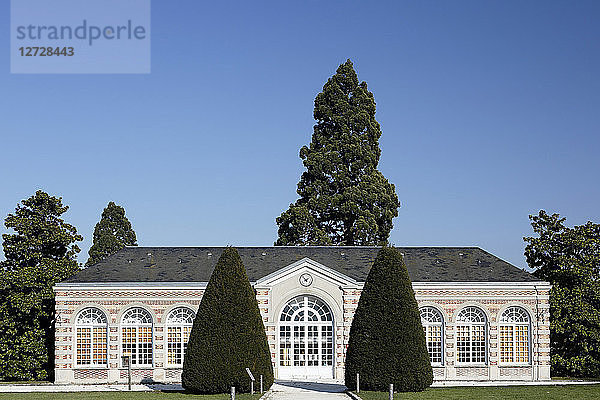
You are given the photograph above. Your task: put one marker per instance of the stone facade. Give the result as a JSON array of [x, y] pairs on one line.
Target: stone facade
[[339, 292]]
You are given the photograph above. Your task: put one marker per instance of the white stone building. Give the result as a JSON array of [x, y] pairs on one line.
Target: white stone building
[[484, 319]]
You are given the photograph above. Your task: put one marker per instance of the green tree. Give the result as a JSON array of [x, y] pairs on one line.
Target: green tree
[[39, 254], [228, 334], [387, 343], [344, 199], [111, 234], [569, 258]]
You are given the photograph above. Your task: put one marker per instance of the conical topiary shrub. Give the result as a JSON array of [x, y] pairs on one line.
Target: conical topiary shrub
[[387, 343], [228, 335]]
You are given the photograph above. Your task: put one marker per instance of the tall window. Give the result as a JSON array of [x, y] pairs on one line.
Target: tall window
[[91, 326], [471, 336], [433, 325], [306, 333], [136, 336], [514, 336], [179, 326]]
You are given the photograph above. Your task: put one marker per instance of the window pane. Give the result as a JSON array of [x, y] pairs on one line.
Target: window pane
[[285, 346], [174, 345], [100, 345], [145, 345], [129, 345], [470, 343], [478, 343], [506, 344], [299, 347], [522, 344], [327, 345], [463, 344], [84, 342], [186, 337], [312, 353], [434, 343]]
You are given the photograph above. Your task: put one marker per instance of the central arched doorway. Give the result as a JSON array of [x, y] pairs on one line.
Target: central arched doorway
[[305, 339]]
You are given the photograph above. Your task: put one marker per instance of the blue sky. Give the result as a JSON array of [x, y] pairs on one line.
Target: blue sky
[[489, 111]]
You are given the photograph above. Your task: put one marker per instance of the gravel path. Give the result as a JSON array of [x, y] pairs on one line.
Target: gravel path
[[287, 390]]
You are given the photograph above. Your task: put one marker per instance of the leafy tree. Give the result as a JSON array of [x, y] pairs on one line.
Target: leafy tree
[[228, 334], [569, 258], [39, 254], [111, 234], [387, 342], [344, 199]]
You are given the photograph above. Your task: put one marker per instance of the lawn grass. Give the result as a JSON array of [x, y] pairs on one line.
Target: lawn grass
[[122, 396], [567, 392]]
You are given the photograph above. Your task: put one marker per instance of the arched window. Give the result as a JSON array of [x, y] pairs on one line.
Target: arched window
[[471, 336], [315, 308], [433, 325], [179, 326], [136, 336], [91, 330], [306, 333], [514, 336]]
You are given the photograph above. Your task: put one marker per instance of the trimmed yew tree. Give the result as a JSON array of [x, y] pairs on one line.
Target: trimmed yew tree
[[387, 343], [228, 334], [111, 234], [344, 198]]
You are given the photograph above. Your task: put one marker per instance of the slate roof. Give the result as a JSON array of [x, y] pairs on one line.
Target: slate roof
[[195, 264]]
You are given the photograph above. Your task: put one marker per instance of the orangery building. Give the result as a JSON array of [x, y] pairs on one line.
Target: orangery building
[[484, 319]]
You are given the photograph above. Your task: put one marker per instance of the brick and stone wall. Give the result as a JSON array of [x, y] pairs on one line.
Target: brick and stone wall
[[449, 300], [113, 302], [159, 300]]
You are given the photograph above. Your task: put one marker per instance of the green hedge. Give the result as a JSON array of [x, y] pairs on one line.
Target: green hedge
[[228, 334], [387, 343]]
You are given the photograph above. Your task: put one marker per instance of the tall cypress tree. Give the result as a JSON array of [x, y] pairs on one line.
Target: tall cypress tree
[[387, 343], [344, 199], [228, 334], [39, 254], [111, 234]]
